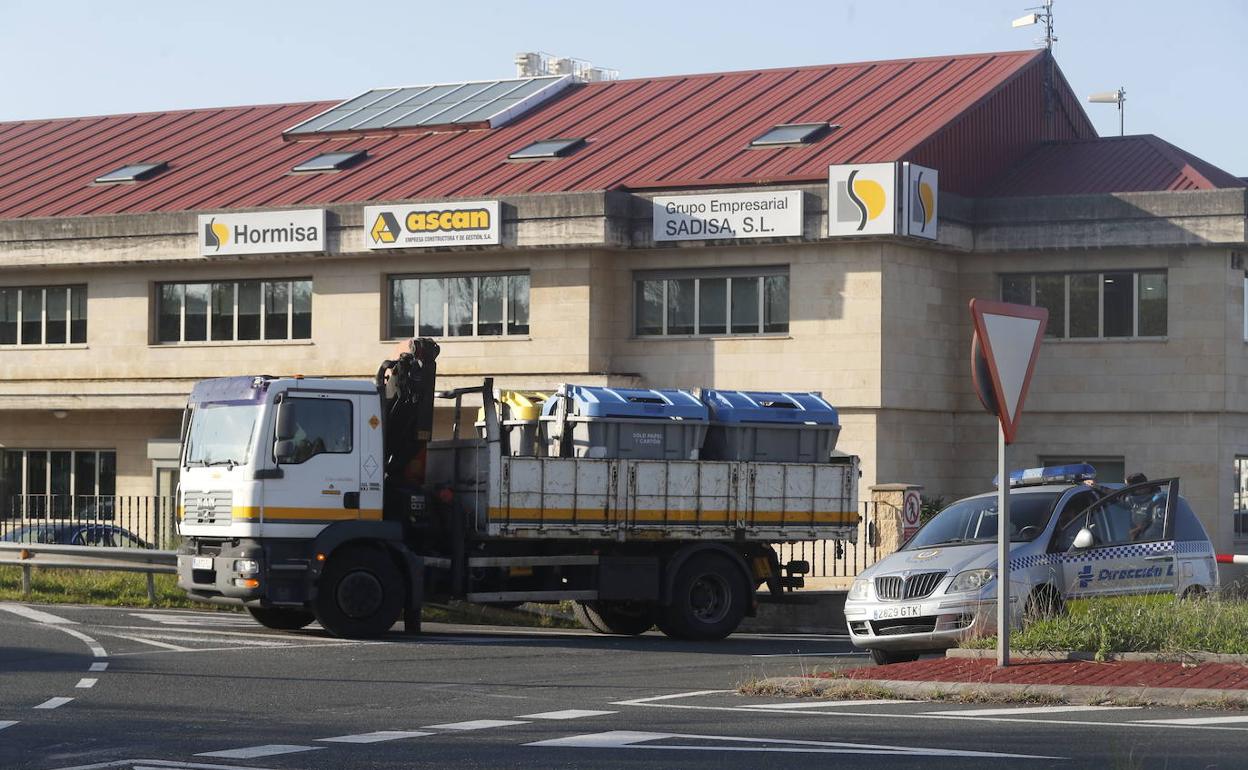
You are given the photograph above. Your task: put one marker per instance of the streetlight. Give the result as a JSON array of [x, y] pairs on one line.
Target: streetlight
[[1112, 97]]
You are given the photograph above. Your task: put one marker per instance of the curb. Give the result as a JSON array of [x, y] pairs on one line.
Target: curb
[[1126, 657], [1074, 695]]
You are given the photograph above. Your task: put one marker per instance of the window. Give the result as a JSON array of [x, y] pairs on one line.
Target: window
[[1109, 470], [134, 172], [1239, 497], [458, 306], [687, 303], [1130, 518], [1095, 305], [234, 310], [55, 482], [547, 149], [792, 133], [43, 315], [330, 161], [321, 426]]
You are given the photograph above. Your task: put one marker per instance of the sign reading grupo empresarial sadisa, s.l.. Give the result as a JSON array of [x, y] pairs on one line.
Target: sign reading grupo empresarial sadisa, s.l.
[[265, 232], [882, 199], [727, 215], [424, 225]]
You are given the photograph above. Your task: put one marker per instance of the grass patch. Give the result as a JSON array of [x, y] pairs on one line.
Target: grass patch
[[1162, 624], [109, 589]]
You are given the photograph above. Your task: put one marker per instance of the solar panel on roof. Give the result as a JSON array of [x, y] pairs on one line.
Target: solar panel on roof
[[132, 172], [490, 101]]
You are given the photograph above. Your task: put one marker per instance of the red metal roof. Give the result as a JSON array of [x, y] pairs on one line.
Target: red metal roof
[[970, 116], [1109, 165]]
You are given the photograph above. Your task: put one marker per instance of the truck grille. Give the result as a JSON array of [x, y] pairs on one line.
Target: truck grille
[[892, 588], [207, 507]]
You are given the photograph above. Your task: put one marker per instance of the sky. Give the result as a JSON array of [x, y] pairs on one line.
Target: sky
[[1181, 63]]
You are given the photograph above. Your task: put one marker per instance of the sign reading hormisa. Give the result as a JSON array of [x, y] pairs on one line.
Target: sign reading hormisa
[[267, 232]]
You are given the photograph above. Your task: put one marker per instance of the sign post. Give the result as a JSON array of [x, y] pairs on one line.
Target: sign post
[[1004, 348]]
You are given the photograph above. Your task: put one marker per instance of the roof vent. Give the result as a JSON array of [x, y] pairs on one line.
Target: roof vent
[[793, 133], [547, 149], [133, 172], [330, 161], [489, 103]]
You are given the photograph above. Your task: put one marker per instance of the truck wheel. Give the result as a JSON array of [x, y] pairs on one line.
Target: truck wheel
[[709, 599], [622, 618], [281, 618], [886, 657], [360, 595]]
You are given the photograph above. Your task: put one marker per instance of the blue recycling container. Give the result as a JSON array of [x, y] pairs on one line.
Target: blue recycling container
[[631, 423], [781, 427]]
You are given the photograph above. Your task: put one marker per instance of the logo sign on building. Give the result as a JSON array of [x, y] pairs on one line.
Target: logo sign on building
[[862, 199], [424, 225], [919, 201], [1003, 356], [727, 215], [267, 232]]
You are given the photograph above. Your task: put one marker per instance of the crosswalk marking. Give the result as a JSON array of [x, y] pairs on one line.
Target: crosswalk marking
[[1197, 721], [477, 724], [567, 714], [38, 616], [824, 704], [52, 703], [376, 737], [268, 750], [198, 620], [85, 683], [7, 723], [1024, 711], [99, 667]]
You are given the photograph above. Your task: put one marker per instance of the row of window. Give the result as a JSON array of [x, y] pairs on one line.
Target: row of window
[[39, 315], [1094, 305], [53, 482], [1239, 498]]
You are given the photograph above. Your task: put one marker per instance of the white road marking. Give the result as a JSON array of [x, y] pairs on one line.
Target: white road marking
[[52, 703], [1196, 721], [567, 714], [98, 667], [824, 704], [268, 750], [1023, 711], [152, 642], [158, 764], [477, 724], [377, 737], [7, 723], [96, 649], [185, 636], [189, 650], [641, 701], [200, 619], [85, 683], [39, 616], [629, 739]]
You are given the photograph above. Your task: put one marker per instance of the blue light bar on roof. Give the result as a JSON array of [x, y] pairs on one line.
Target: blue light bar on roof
[[1057, 474]]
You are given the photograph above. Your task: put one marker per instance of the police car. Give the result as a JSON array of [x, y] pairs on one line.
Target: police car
[[1069, 538]]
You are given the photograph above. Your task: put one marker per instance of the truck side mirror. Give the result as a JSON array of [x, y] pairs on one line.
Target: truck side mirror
[[1084, 540], [284, 451], [285, 427]]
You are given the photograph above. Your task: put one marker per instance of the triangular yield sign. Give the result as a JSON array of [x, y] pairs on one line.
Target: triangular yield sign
[[1010, 337]]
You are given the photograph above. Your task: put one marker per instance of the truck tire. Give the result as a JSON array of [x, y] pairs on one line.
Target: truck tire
[[709, 599], [281, 618], [360, 595], [621, 618]]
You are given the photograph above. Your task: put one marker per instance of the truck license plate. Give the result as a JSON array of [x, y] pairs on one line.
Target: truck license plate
[[201, 562], [905, 611]]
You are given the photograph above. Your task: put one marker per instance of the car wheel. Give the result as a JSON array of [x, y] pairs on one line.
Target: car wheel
[[1193, 592], [1044, 603], [281, 618], [887, 657], [360, 593]]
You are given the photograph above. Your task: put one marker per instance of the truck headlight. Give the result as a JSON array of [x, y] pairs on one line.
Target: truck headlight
[[971, 580], [243, 566], [858, 590]]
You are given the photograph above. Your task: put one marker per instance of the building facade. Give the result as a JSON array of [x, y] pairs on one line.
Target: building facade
[[116, 296]]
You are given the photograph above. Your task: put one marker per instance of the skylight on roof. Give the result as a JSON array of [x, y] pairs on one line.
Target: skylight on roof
[[793, 133], [546, 149], [330, 161], [134, 172], [492, 102]]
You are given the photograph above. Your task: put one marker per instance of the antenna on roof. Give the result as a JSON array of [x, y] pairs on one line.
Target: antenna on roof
[[1044, 14], [1112, 97], [536, 64]]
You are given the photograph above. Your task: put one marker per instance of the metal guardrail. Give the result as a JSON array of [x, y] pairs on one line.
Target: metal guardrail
[[46, 556]]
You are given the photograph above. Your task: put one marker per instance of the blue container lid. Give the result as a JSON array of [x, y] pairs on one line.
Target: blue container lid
[[768, 407], [589, 401]]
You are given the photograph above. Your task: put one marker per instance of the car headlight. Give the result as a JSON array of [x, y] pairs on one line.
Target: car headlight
[[246, 565], [971, 580], [858, 590]]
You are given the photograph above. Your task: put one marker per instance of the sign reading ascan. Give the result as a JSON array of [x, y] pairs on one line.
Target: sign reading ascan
[[727, 215], [422, 225], [267, 232]]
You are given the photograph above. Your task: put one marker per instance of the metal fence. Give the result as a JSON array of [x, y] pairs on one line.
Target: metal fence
[[117, 521], [843, 558]]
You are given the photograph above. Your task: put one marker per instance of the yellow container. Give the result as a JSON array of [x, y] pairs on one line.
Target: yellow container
[[523, 404], [519, 421]]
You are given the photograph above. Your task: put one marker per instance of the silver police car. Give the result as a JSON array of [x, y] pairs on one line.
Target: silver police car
[[1069, 538]]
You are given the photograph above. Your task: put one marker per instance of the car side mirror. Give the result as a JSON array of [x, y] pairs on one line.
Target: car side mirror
[[284, 451], [1084, 540]]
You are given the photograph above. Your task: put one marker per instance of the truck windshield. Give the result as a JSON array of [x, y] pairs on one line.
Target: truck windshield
[[975, 521], [221, 434]]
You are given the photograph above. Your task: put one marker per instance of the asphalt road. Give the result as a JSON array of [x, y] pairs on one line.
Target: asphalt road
[[126, 688]]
